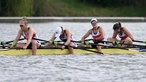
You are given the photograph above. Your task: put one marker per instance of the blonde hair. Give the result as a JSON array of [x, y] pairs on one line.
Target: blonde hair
[[24, 19]]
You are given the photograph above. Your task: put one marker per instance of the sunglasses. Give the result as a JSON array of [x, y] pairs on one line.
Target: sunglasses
[[21, 25], [93, 22], [117, 30]]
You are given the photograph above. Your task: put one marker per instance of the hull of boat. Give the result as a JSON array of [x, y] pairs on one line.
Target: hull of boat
[[19, 52]]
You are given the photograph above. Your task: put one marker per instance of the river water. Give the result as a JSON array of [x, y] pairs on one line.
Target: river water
[[72, 68]]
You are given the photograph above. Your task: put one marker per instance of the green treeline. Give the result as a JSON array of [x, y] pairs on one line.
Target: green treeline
[[16, 7], [72, 7]]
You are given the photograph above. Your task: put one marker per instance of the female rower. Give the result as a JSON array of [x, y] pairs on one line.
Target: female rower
[[66, 36], [28, 33], [124, 34], [97, 33]]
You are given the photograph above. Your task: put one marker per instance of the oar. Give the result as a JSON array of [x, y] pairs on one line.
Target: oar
[[3, 42], [112, 42], [105, 45], [3, 46], [134, 45], [139, 41], [59, 41], [109, 46], [88, 43], [44, 40], [115, 43]]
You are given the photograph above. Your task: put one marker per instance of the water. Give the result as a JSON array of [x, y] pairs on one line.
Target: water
[[72, 68]]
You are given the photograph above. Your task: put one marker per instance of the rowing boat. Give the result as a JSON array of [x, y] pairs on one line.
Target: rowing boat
[[19, 52], [57, 51]]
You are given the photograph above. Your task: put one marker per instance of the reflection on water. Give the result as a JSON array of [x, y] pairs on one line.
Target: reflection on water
[[72, 68]]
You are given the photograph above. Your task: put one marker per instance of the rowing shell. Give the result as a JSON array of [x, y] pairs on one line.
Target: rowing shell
[[19, 52]]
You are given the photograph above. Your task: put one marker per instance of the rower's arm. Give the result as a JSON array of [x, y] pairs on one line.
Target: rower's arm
[[86, 35], [114, 35], [17, 38], [128, 33], [18, 35], [68, 37], [53, 37]]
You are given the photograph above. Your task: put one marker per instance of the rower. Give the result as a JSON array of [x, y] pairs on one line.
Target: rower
[[97, 33], [123, 33], [28, 33], [66, 36]]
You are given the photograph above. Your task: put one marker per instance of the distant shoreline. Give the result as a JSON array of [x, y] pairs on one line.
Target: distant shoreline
[[72, 19]]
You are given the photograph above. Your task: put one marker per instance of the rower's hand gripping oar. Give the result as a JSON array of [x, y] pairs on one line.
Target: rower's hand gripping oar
[[3, 42], [117, 43]]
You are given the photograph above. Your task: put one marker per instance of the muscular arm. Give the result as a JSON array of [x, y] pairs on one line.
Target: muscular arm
[[128, 33], [114, 35], [18, 36], [86, 35], [53, 37], [68, 37]]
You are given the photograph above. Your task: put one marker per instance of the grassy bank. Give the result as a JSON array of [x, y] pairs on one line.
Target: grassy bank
[[68, 8], [75, 8]]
